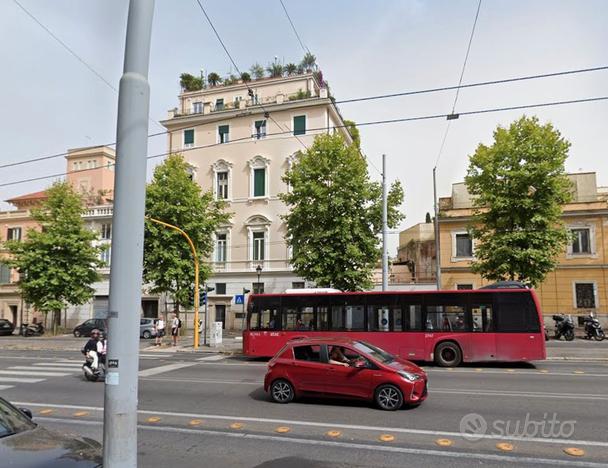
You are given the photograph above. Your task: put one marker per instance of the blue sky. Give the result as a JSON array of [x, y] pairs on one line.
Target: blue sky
[[51, 102]]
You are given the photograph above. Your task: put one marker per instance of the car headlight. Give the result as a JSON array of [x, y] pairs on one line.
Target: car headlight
[[409, 376]]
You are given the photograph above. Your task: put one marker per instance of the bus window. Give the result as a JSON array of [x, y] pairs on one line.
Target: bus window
[[481, 318], [445, 318], [516, 313], [322, 318], [383, 318], [254, 321], [350, 317], [412, 317], [307, 316], [269, 319], [294, 319]]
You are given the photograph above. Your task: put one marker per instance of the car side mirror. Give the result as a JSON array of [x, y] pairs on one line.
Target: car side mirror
[[27, 412]]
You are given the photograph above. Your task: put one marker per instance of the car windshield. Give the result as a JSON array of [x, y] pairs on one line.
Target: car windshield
[[13, 421], [376, 353]]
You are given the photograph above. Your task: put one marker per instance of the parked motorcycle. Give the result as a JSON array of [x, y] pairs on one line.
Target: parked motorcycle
[[564, 326], [31, 329], [593, 329]]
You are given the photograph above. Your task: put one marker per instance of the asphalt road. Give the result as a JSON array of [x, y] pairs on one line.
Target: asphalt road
[[213, 412]]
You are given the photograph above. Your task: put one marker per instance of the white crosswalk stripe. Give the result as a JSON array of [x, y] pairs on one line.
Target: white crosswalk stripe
[[45, 368], [19, 380], [33, 373], [213, 357], [6, 387], [37, 372], [155, 356]]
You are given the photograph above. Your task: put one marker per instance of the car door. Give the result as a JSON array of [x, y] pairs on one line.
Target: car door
[[349, 381], [308, 369], [88, 326]]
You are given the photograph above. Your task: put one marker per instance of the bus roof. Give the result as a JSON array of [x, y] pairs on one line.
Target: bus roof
[[398, 293]]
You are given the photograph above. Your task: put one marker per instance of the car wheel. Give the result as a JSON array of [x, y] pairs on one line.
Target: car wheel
[[77, 334], [282, 391], [146, 334], [388, 397], [448, 354]]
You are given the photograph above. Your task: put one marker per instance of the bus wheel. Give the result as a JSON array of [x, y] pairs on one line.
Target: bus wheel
[[448, 354], [281, 391]]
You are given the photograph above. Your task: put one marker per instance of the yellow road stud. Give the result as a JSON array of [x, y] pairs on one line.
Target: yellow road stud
[[46, 411], [81, 413], [282, 429], [236, 426], [195, 422], [444, 442], [574, 451], [153, 419], [333, 433], [386, 437], [504, 446]]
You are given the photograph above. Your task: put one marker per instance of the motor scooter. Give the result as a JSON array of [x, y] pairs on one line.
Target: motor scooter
[[31, 329], [564, 326], [593, 329]]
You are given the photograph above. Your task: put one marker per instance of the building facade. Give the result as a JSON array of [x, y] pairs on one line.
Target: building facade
[[239, 140], [579, 284]]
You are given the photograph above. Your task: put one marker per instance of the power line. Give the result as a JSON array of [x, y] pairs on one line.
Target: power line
[[464, 66], [362, 124], [472, 85], [304, 48], [251, 92], [71, 51], [383, 96]]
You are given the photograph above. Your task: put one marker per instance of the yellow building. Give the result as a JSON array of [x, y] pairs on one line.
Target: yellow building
[[578, 285]]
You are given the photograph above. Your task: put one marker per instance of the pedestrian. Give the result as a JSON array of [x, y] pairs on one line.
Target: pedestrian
[[176, 324], [160, 331]]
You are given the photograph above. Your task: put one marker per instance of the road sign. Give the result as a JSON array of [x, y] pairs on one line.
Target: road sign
[[239, 299]]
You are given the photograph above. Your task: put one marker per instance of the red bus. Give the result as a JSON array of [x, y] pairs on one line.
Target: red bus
[[447, 327]]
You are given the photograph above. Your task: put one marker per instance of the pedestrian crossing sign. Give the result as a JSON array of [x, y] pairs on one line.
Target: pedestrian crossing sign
[[239, 299]]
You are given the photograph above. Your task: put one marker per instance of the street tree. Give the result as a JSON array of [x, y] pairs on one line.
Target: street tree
[[519, 185], [335, 215], [175, 198], [57, 261]]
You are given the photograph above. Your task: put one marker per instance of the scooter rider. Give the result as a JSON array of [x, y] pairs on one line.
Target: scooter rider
[[102, 346], [90, 349]]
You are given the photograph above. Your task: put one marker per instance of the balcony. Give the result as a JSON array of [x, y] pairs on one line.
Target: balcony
[[207, 108], [98, 212]]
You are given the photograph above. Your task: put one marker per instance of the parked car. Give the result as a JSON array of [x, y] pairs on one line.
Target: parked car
[[85, 328], [23, 443], [342, 367], [6, 327], [146, 328]]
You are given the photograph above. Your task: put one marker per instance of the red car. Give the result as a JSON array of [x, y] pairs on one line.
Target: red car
[[342, 367]]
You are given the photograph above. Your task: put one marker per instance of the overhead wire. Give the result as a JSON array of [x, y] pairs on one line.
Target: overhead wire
[[383, 96], [361, 124], [464, 66]]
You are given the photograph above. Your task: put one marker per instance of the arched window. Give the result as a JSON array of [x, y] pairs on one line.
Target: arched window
[[222, 179], [258, 235]]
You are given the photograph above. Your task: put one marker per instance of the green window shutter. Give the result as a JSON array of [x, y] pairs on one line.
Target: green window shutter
[[189, 137], [299, 125], [259, 182], [224, 129]]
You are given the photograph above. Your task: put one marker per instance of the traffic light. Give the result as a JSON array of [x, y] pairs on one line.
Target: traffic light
[[246, 291], [203, 294]]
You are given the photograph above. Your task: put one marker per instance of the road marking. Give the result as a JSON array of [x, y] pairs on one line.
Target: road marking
[[79, 414], [282, 429], [19, 380], [195, 422], [6, 387], [578, 396], [153, 419], [574, 452], [46, 411], [518, 373], [400, 430], [46, 368], [444, 442], [504, 446], [333, 434], [163, 369], [215, 357], [349, 445], [34, 374], [155, 356], [209, 381], [58, 364], [236, 426], [386, 437]]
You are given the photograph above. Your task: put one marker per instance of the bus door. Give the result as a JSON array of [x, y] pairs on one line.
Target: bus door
[[483, 337]]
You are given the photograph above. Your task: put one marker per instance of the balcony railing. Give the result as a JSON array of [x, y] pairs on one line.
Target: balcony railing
[[98, 212]]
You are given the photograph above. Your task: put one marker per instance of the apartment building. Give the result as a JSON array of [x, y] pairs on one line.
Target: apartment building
[[239, 140], [90, 171], [578, 285]]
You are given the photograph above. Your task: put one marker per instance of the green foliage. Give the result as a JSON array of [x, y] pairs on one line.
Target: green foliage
[[519, 184], [290, 69], [173, 197], [275, 70], [308, 61], [335, 215], [428, 218], [351, 128], [232, 79], [300, 95], [245, 77], [190, 82], [58, 264], [213, 79], [257, 71]]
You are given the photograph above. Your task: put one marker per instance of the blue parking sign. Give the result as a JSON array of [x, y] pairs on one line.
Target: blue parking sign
[[239, 299]]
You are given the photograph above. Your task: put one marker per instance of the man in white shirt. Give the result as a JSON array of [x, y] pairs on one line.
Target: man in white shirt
[[160, 331], [175, 326]]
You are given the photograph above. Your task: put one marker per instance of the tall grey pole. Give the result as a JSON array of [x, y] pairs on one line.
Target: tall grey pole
[[437, 249], [120, 399], [384, 226], [206, 323]]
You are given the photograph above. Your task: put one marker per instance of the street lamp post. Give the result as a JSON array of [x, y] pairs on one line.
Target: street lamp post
[[259, 270]]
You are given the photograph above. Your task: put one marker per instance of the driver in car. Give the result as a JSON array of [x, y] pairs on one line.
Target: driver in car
[[337, 357]]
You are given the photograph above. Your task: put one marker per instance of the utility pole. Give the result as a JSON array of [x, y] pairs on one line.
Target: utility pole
[[384, 226], [437, 250], [120, 397]]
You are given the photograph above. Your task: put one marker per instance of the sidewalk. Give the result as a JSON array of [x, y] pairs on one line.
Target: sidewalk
[[231, 345]]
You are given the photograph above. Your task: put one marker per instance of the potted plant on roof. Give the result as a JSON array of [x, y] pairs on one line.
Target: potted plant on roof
[[291, 69], [275, 70], [309, 62], [213, 79], [257, 71], [245, 77]]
